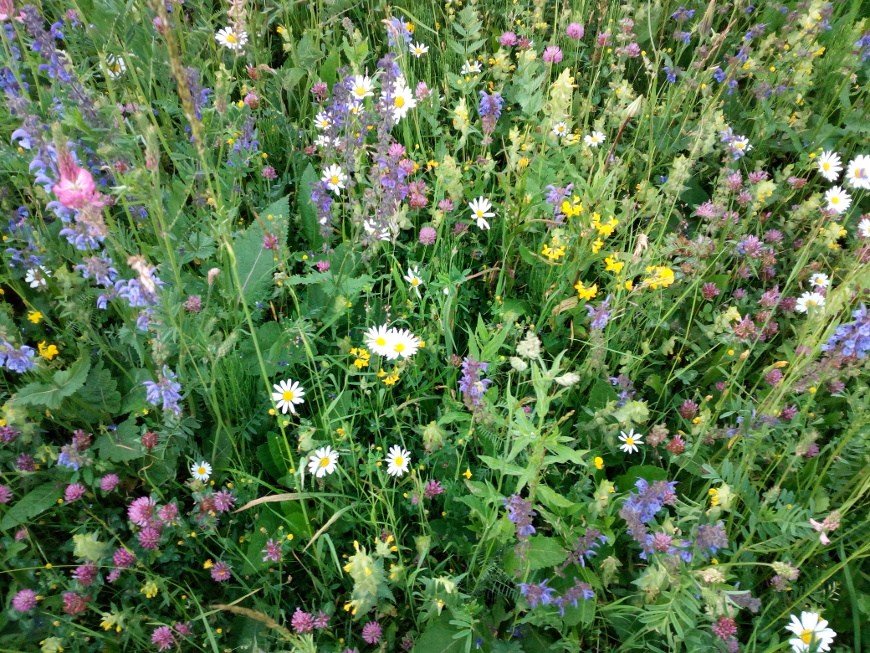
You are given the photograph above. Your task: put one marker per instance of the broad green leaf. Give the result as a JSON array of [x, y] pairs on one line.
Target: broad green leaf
[[254, 262], [439, 638], [121, 444], [545, 552], [552, 499], [30, 505], [64, 383], [307, 212]]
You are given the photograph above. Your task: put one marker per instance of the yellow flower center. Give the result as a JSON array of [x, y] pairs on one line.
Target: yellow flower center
[[826, 166], [360, 91], [288, 395], [835, 200], [200, 471], [381, 342], [231, 38], [811, 302], [807, 637], [400, 347], [324, 462], [334, 180], [398, 461], [629, 441], [399, 101]]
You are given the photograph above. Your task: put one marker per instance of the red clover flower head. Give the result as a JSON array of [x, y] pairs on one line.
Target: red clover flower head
[[372, 632]]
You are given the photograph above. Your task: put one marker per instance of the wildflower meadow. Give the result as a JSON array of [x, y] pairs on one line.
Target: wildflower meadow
[[504, 325]]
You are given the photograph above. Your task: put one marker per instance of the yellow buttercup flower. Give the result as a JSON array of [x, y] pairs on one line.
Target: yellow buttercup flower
[[598, 462], [34, 316], [661, 277]]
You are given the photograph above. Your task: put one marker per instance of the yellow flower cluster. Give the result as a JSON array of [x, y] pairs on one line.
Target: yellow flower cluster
[[362, 357], [613, 265], [48, 352], [391, 378], [662, 277], [586, 292], [604, 228], [572, 208], [555, 250]]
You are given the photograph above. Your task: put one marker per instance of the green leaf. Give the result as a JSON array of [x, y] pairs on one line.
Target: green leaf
[[255, 263], [122, 443], [35, 502], [64, 383], [100, 391], [438, 638], [307, 212], [553, 499], [545, 552]]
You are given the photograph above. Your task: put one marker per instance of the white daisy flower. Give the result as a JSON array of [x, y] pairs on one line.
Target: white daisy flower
[[820, 280], [36, 277], [231, 39], [403, 100], [372, 229], [322, 121], [403, 344], [201, 471], [418, 49], [812, 633], [355, 108], [838, 200], [398, 460], [560, 129], [594, 139], [630, 441], [480, 209], [361, 87], [470, 67], [864, 228], [115, 65], [287, 394], [380, 340], [830, 166], [324, 141], [334, 178], [809, 299], [858, 172], [740, 146], [323, 462], [413, 278]]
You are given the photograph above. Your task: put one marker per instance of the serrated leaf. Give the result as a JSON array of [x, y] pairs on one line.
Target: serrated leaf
[[551, 498], [439, 638], [100, 391], [64, 383], [307, 212], [121, 444], [33, 503], [545, 552], [254, 262]]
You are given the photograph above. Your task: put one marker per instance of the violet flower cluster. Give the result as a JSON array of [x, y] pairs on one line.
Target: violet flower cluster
[[472, 386], [852, 338]]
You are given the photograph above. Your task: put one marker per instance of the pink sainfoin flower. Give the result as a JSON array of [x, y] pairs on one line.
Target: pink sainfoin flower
[[224, 500], [76, 188], [85, 574], [74, 492], [302, 622], [24, 601], [183, 629], [141, 511], [163, 638], [109, 482], [149, 538], [5, 9], [428, 235], [322, 266], [220, 572], [372, 632], [575, 31], [830, 523], [552, 54], [5, 494], [508, 39], [272, 551]]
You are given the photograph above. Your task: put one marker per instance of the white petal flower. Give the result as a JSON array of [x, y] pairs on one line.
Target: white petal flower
[[398, 460], [287, 394], [418, 49], [201, 471], [36, 277], [470, 67], [334, 178], [322, 462], [403, 344], [115, 65], [809, 299], [402, 100], [830, 166], [480, 209], [361, 87], [630, 441], [380, 340], [858, 172], [560, 129], [864, 228], [413, 278], [594, 139], [812, 633], [820, 280], [838, 200], [231, 39], [322, 121]]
